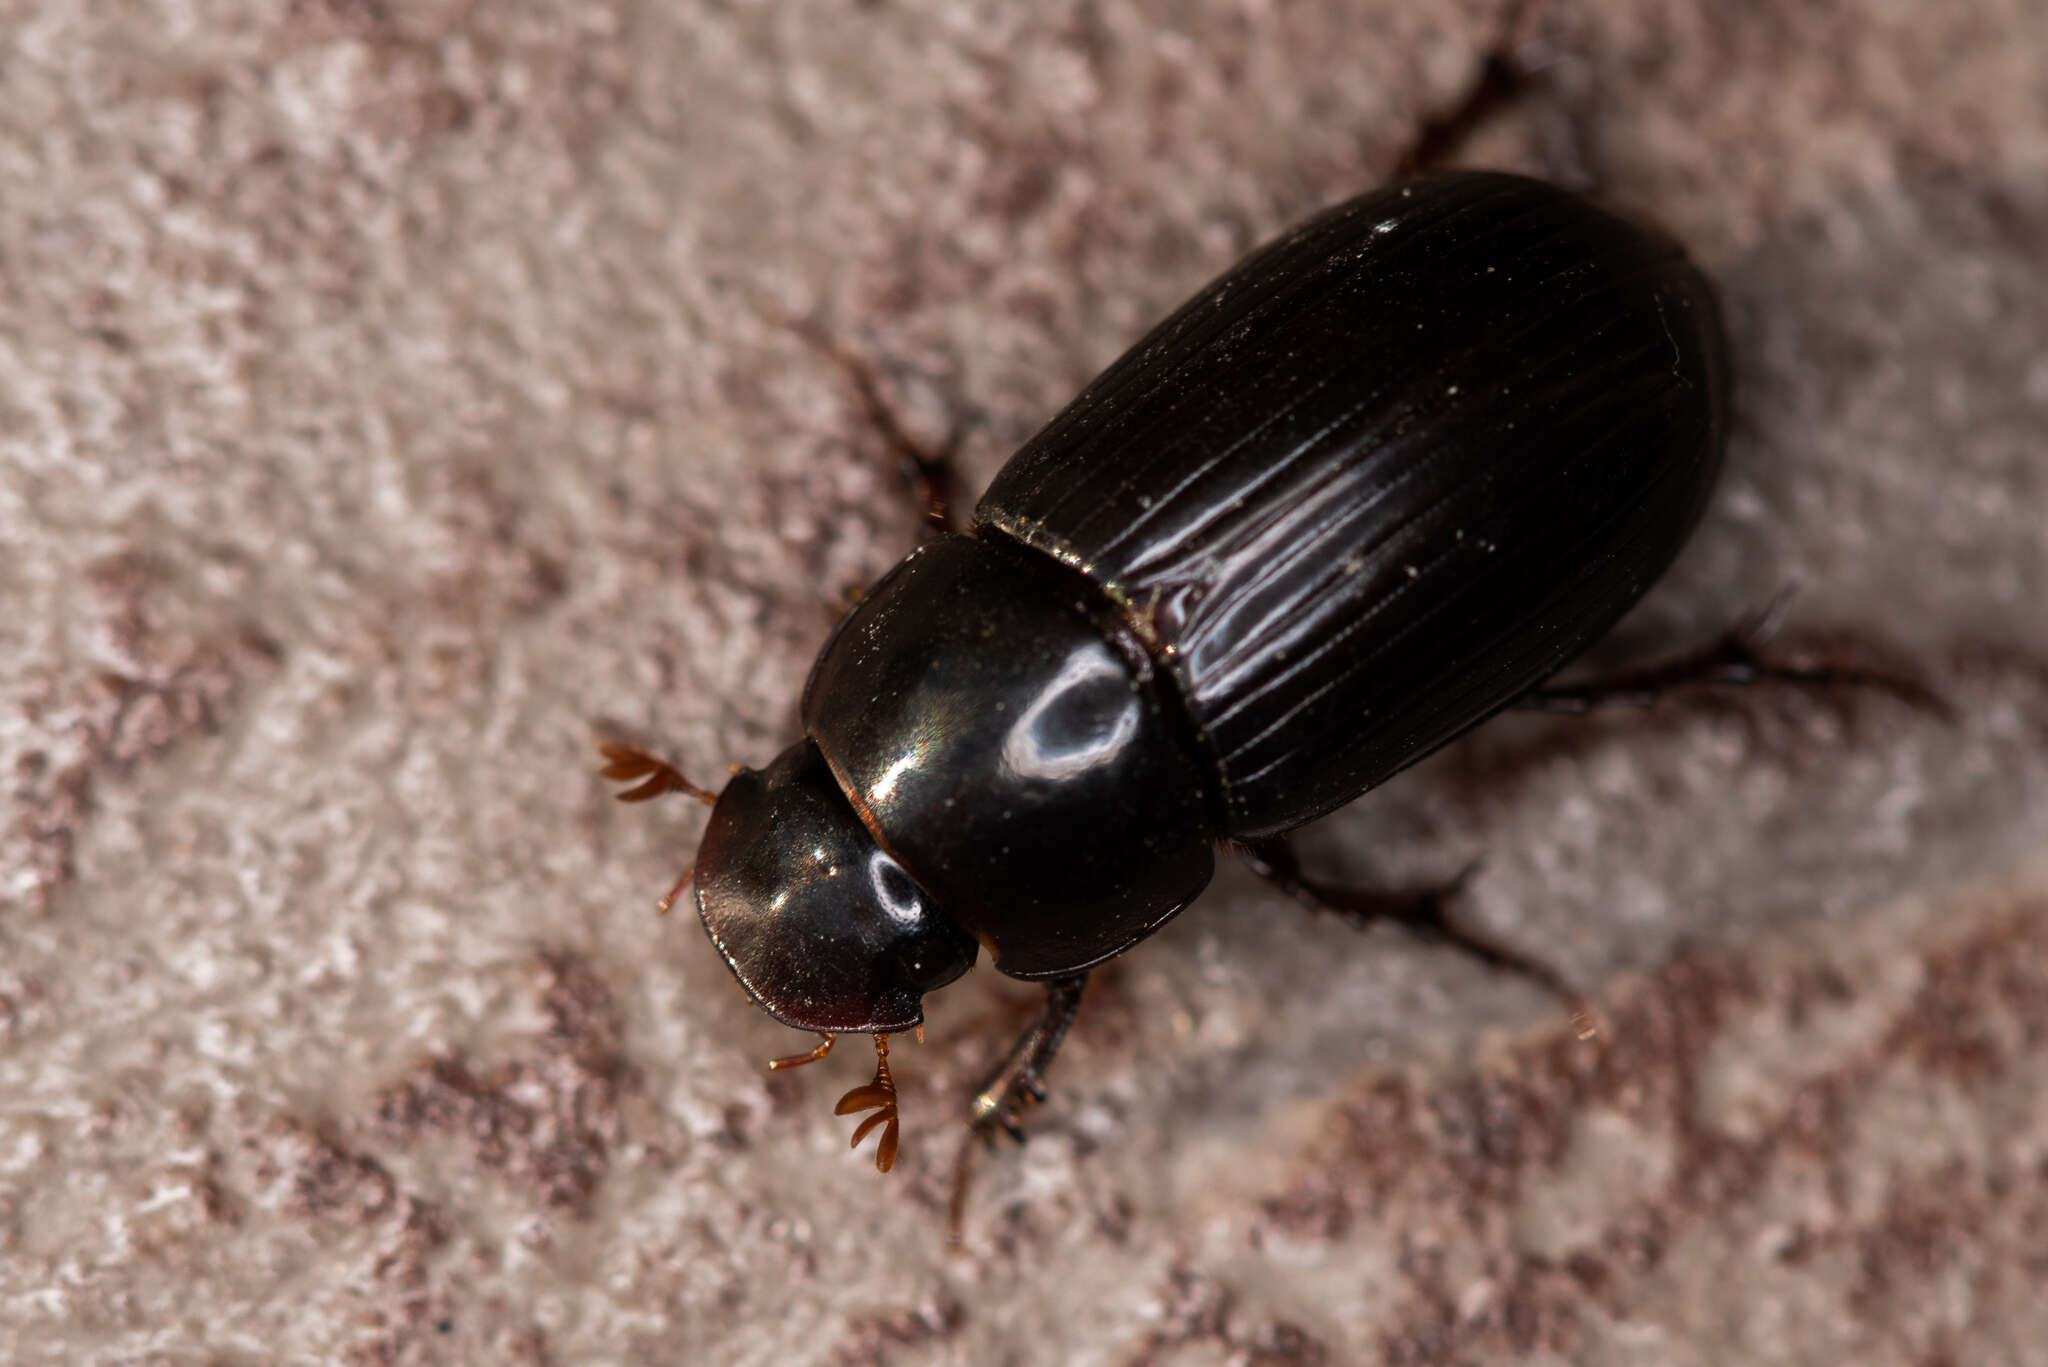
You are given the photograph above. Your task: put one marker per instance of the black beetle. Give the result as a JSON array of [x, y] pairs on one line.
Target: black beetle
[[1375, 484]]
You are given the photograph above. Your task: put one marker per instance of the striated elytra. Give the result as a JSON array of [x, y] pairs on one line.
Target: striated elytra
[[1367, 489]]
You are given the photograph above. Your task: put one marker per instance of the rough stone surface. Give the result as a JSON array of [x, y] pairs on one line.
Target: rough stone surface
[[393, 397]]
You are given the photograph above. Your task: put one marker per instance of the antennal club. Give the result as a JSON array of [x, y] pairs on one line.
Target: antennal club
[[624, 763]]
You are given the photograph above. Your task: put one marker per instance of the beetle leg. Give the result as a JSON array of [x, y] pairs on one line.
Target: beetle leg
[[1531, 66], [1500, 82], [927, 469], [1737, 659], [1020, 1080], [1420, 911]]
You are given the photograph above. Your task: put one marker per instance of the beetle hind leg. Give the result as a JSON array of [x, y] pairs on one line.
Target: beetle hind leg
[[1739, 658], [1421, 911], [1019, 1081]]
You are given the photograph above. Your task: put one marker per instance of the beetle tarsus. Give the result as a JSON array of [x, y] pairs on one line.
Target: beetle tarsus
[[1020, 1080], [1422, 912]]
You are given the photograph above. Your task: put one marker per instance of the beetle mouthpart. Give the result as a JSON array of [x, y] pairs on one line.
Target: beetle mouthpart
[[682, 881], [826, 1041], [880, 1097]]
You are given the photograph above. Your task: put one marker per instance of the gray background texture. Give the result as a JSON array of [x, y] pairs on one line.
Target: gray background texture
[[394, 397]]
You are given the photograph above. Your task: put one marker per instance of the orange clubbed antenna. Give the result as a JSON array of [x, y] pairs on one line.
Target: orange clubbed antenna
[[623, 763]]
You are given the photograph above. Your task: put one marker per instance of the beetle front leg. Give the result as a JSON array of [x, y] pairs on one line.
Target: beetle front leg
[[1020, 1080], [1420, 910], [928, 469]]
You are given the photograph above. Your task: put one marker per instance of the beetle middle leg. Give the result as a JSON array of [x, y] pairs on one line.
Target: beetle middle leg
[[1019, 1081], [1420, 910]]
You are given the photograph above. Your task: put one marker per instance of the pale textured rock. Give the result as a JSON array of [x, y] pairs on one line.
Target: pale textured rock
[[392, 397]]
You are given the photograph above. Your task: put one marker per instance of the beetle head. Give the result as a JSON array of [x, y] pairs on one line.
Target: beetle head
[[821, 926]]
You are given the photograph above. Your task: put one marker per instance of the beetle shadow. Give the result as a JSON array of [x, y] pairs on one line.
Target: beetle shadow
[[1889, 459]]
